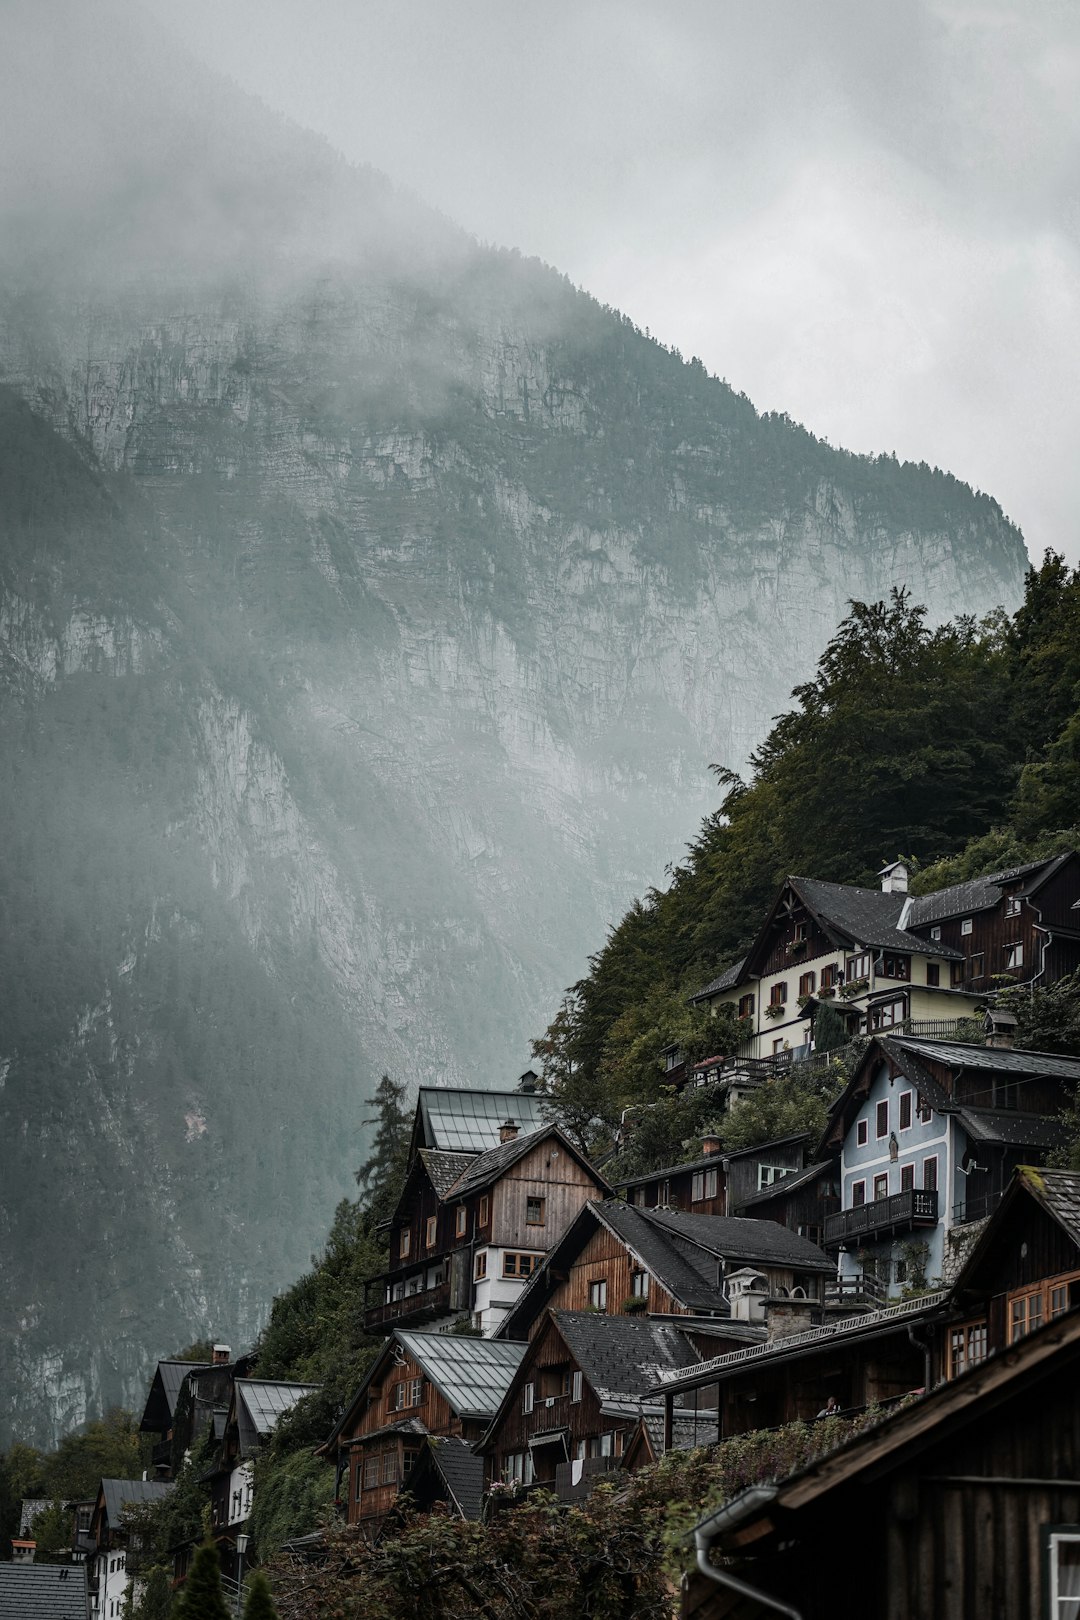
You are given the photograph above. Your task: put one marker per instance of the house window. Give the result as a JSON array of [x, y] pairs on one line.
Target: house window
[[828, 976], [389, 1468], [935, 932], [862, 1132], [1025, 1315], [397, 1398], [807, 982], [371, 1473], [461, 1220], [639, 1284], [769, 1173], [416, 1392], [965, 926], [711, 1183], [746, 1006], [520, 1265], [778, 994], [929, 1174], [517, 1468], [431, 1230], [907, 1178], [976, 966], [778, 1046], [598, 1294], [1012, 905], [405, 1243], [858, 967], [534, 1211], [933, 975], [888, 1013], [528, 1397], [800, 933], [484, 1211], [697, 1187], [480, 1266], [895, 967], [967, 1346], [1014, 955], [1029, 1309], [956, 973], [858, 1194], [882, 1119], [1063, 1571], [881, 1186], [905, 1110]]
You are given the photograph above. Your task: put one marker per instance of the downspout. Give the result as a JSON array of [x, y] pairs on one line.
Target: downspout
[[757, 1496], [921, 1344]]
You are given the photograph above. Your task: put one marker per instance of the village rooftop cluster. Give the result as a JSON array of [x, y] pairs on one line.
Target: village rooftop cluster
[[544, 1326]]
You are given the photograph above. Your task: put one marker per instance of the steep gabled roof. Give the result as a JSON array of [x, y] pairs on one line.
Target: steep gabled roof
[[43, 1592], [458, 1121], [471, 1374], [260, 1403], [622, 1357], [725, 981], [865, 917], [456, 1467], [486, 1168], [1055, 1191], [444, 1168], [981, 893], [165, 1390], [121, 1493]]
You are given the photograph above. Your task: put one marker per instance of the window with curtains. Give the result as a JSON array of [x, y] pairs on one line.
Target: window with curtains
[[1062, 1545]]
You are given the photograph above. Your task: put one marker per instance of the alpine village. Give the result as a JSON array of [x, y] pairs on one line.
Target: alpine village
[[758, 1295]]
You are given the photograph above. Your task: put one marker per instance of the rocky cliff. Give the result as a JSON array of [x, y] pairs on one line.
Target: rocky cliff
[[371, 607]]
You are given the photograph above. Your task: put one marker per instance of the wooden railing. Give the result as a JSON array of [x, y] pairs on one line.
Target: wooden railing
[[915, 1207], [428, 1302]]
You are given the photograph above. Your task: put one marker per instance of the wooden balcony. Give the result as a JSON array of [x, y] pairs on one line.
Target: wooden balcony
[[900, 1212], [412, 1309]]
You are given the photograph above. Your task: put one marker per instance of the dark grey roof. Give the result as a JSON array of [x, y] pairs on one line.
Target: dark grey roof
[[788, 1184], [485, 1168], [444, 1168], [462, 1472], [119, 1492], [998, 1060], [1009, 1126], [623, 1356], [1059, 1190], [402, 1426], [43, 1592], [709, 1161], [688, 1275], [732, 1237], [764, 1147], [472, 1374], [687, 1432], [165, 1387], [468, 1121], [867, 916], [725, 981], [977, 894]]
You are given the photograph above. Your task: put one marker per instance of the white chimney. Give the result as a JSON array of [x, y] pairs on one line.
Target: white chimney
[[747, 1292], [894, 878]]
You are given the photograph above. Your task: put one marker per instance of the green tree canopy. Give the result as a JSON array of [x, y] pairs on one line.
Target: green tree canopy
[[201, 1597], [259, 1604]]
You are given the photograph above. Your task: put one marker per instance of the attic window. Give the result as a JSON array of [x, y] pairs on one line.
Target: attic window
[[405, 1243], [800, 933], [966, 926], [534, 1211], [461, 1220], [935, 932], [1012, 905], [485, 1206]]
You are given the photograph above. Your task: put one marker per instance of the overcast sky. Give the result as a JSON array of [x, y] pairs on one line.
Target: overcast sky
[[863, 212]]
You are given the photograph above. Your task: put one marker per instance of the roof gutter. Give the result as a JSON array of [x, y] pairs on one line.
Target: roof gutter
[[744, 1506]]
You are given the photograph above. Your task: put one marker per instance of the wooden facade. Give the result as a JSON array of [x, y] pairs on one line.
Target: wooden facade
[[755, 1169], [564, 1421], [962, 1506], [801, 1202], [699, 1186], [470, 1252], [605, 1276]]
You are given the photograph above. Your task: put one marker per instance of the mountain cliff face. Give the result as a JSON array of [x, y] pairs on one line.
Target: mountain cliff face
[[371, 607]]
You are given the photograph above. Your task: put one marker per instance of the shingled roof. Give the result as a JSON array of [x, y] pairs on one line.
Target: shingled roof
[[43, 1592], [444, 1168], [488, 1167], [977, 894], [733, 1237], [866, 916], [622, 1357], [725, 981], [460, 1469]]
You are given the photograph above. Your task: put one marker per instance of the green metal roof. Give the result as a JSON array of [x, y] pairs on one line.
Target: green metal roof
[[473, 1374]]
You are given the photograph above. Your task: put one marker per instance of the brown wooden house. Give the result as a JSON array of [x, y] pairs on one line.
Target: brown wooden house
[[470, 1229], [1023, 1269], [961, 1506], [255, 1406], [620, 1260], [422, 1384], [577, 1395], [700, 1185], [801, 1201]]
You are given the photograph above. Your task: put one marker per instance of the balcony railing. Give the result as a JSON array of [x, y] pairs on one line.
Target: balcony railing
[[429, 1302], [915, 1207]]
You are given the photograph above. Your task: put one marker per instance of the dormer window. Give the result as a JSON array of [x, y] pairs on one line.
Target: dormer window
[[1012, 905]]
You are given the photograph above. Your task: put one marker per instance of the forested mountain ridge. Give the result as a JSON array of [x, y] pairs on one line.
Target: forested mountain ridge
[[371, 605]]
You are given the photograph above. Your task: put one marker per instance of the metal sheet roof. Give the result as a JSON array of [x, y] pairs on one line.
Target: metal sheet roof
[[1000, 1060], [261, 1403], [119, 1493], [472, 1374], [43, 1592], [468, 1121]]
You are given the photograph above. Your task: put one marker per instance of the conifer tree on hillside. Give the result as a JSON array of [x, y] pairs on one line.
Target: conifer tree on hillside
[[202, 1597], [260, 1604], [156, 1601], [382, 1172]]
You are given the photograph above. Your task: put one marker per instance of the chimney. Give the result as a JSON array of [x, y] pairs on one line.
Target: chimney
[[22, 1550], [528, 1082], [222, 1355], [508, 1130], [710, 1145], [999, 1028], [894, 878]]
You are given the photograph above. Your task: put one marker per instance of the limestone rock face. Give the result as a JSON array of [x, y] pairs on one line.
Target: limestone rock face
[[368, 622]]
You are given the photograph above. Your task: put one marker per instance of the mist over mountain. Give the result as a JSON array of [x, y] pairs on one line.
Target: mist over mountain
[[372, 603]]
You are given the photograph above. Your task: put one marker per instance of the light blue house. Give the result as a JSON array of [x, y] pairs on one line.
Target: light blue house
[[928, 1134]]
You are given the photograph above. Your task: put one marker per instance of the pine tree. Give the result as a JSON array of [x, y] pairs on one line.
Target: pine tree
[[156, 1600], [829, 1028], [202, 1598], [383, 1171], [259, 1605]]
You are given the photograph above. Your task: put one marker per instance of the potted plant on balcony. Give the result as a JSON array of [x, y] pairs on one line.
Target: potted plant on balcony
[[826, 992], [775, 1009], [854, 987]]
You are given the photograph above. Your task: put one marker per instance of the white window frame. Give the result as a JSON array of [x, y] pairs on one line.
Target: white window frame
[[528, 1398], [935, 932], [967, 926], [639, 1285], [1056, 1534], [712, 1183], [598, 1294], [697, 1187], [1013, 904], [577, 1381], [1014, 954]]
